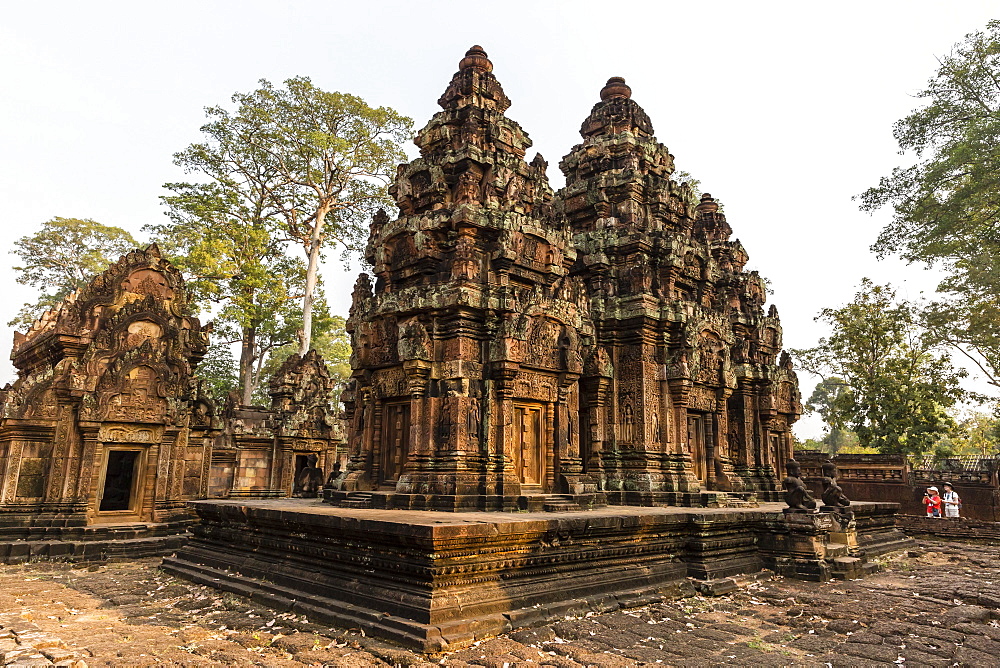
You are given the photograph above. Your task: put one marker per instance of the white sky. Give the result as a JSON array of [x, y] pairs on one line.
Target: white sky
[[784, 110]]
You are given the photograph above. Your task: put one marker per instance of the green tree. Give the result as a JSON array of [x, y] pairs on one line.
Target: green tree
[[225, 239], [945, 203], [832, 401], [64, 256], [975, 434], [320, 161], [218, 371], [899, 381]]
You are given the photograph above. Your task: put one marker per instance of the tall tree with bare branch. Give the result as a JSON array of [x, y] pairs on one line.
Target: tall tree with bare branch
[[320, 161]]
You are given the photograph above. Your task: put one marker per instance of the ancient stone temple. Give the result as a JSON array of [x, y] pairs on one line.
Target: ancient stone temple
[[467, 348], [262, 452], [597, 358], [104, 432], [602, 343]]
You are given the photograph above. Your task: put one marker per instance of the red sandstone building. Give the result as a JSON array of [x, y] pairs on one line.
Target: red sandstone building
[[601, 343]]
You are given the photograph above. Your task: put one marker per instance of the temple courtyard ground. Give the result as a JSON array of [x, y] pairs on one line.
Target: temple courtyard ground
[[935, 605]]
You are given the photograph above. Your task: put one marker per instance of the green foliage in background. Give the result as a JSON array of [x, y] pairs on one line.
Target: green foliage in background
[[946, 203], [62, 257], [898, 380], [313, 162]]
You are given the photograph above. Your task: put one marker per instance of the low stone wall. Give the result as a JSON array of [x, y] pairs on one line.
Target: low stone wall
[[889, 478], [962, 528], [91, 543]]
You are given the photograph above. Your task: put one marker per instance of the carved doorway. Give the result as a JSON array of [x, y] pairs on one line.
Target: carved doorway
[[696, 445], [121, 485], [774, 443], [529, 446], [395, 441]]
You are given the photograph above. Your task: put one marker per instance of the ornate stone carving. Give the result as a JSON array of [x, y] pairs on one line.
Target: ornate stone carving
[[797, 495], [623, 286], [833, 494], [106, 381]]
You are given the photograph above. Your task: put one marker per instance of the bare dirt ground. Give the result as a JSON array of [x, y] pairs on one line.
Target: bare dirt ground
[[937, 605]]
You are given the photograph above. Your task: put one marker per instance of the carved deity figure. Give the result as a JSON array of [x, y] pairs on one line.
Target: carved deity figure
[[310, 479], [833, 495], [467, 188], [334, 474], [797, 495], [465, 265]]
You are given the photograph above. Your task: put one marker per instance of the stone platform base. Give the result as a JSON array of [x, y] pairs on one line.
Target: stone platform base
[[436, 581], [102, 542], [697, 499], [391, 500]]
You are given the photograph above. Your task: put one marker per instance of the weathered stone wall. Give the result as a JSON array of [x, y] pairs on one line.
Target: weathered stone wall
[[260, 451], [961, 528], [890, 478]]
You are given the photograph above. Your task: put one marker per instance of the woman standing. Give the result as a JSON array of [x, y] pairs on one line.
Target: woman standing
[[950, 499], [933, 502]]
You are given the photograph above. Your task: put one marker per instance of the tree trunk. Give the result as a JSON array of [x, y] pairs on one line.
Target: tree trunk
[[305, 336], [248, 351]]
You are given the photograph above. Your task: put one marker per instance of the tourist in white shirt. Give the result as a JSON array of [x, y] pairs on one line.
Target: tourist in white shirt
[[951, 501]]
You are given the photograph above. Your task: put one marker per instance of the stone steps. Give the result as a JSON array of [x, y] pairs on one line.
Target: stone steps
[[836, 550], [357, 500], [845, 567], [560, 503]]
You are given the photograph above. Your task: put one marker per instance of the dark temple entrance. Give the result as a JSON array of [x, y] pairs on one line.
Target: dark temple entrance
[[119, 491]]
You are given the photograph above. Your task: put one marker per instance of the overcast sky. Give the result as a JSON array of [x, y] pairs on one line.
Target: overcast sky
[[784, 110]]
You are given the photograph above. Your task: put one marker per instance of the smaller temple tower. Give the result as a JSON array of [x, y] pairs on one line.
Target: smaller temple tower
[[105, 423], [261, 451]]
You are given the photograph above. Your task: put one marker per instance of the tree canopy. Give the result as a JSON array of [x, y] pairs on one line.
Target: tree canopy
[[832, 401], [63, 256], [315, 162], [898, 381], [946, 204], [234, 256]]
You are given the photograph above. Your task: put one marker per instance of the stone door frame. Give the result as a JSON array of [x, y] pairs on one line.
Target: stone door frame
[[136, 495], [383, 456]]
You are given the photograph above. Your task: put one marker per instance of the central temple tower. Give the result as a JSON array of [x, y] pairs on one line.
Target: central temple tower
[[519, 349], [467, 348]]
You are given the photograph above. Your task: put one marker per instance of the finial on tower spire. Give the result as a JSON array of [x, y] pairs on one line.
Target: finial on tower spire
[[477, 58], [616, 87], [708, 204]]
